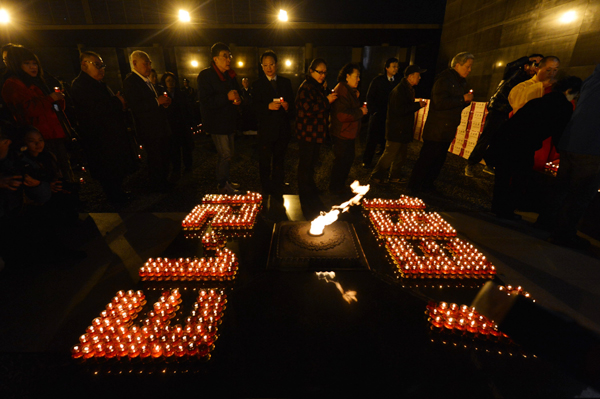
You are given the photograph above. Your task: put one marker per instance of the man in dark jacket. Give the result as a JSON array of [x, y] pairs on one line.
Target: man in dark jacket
[[450, 95], [150, 115], [377, 100], [273, 100], [102, 127], [499, 108], [218, 91], [399, 127]]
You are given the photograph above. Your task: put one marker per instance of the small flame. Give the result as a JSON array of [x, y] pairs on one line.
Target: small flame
[[348, 296], [325, 219]]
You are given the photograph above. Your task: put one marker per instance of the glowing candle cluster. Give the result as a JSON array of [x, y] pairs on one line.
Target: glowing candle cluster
[[213, 240], [463, 319], [415, 225], [248, 198], [552, 168], [404, 202], [244, 218], [510, 290], [223, 216], [222, 267], [466, 261], [115, 337]]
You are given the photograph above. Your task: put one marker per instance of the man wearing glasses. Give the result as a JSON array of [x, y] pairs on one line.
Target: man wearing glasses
[[150, 115], [102, 127], [218, 92]]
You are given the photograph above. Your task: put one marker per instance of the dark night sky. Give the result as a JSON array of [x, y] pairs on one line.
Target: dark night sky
[[369, 11]]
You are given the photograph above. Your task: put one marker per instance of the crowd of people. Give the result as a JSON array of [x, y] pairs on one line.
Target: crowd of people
[[47, 128]]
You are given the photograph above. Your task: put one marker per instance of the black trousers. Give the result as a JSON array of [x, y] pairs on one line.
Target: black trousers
[[182, 147], [343, 152], [428, 166], [271, 162], [511, 180], [492, 124], [158, 150], [375, 135]]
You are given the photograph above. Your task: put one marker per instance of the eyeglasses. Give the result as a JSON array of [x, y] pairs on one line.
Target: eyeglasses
[[230, 56], [98, 65], [321, 72]]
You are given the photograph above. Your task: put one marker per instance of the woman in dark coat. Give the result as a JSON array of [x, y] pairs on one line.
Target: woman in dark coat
[[521, 136], [346, 116], [102, 127], [180, 119], [312, 114], [399, 127]]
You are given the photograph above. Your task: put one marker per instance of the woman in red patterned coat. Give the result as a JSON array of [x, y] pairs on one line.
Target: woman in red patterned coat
[[312, 118]]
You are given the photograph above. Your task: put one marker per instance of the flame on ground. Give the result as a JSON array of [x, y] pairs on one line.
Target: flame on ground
[[325, 219]]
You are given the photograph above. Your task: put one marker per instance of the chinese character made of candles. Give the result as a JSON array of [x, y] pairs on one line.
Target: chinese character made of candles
[[422, 244], [114, 335]]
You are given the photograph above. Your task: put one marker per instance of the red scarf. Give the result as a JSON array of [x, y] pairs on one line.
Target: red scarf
[[230, 72]]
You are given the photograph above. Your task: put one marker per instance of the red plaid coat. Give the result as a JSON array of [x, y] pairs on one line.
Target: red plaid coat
[[312, 111]]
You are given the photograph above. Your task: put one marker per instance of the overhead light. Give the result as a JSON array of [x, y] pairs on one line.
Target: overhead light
[[240, 63], [283, 17], [194, 63], [184, 16], [288, 63], [4, 17], [499, 64], [568, 17]]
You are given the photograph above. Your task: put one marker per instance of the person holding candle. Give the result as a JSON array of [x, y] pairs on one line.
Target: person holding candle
[[399, 127], [273, 101], [33, 102], [218, 91], [103, 127], [450, 95], [346, 115], [312, 113], [149, 111]]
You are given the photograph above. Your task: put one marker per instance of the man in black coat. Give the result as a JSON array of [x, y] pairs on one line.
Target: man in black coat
[[377, 100], [273, 100], [218, 91], [399, 127], [102, 127], [450, 95], [150, 116]]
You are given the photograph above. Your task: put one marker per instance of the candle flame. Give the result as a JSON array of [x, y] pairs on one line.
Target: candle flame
[[325, 219]]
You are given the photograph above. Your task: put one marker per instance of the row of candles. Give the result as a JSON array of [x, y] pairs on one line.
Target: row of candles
[[466, 261], [461, 318], [238, 199], [223, 216], [116, 336], [222, 267], [404, 202], [417, 224]]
